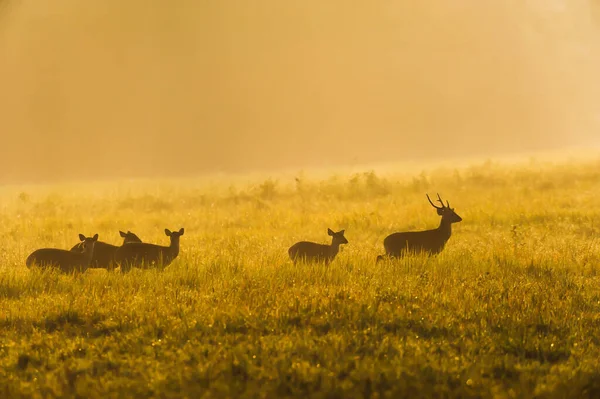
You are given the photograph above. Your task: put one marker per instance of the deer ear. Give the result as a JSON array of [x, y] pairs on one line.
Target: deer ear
[[168, 232], [181, 231], [122, 234], [341, 232], [95, 238], [440, 211], [81, 237], [330, 232]]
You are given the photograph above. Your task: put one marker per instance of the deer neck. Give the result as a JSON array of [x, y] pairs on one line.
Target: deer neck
[[174, 247], [334, 248], [445, 229]]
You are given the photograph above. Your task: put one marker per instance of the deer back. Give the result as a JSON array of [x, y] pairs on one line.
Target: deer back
[[143, 255], [64, 260], [311, 252]]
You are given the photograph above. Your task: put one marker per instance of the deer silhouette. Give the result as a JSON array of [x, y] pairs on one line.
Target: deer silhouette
[[430, 242], [312, 252], [104, 253], [146, 255], [66, 261]]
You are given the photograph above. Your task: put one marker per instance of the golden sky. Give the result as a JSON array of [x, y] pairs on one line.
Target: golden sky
[[106, 88]]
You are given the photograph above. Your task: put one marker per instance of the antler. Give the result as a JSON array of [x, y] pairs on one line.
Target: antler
[[439, 199]]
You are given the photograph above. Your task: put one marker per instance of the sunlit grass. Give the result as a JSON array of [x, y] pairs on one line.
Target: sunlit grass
[[510, 308]]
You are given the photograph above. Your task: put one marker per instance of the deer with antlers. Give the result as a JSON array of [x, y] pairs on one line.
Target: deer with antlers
[[430, 242]]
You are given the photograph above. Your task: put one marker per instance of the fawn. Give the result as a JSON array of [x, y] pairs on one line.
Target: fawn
[[104, 253], [313, 252], [66, 261], [146, 255]]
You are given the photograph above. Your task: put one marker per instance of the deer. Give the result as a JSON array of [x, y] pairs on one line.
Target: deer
[[312, 252], [144, 255], [429, 242], [104, 253], [66, 261]]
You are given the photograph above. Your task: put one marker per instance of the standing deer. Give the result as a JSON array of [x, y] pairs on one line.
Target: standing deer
[[104, 253], [145, 255], [313, 252], [66, 261], [430, 242]]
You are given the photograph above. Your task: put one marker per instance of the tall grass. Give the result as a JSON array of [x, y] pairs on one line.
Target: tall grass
[[511, 307]]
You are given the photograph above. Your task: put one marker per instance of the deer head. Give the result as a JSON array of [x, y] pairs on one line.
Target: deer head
[[338, 238], [447, 213]]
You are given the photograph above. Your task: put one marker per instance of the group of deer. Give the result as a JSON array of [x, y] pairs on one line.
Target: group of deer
[[429, 242], [91, 253]]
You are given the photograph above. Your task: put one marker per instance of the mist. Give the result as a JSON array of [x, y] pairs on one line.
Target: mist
[[108, 88]]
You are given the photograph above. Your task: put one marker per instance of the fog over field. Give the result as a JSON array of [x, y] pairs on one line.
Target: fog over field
[[108, 88]]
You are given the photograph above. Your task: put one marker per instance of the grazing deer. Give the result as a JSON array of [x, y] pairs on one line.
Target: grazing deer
[[430, 242], [145, 255], [104, 253], [312, 252], [66, 261]]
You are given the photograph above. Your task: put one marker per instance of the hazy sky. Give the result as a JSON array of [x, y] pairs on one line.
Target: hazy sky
[[146, 87]]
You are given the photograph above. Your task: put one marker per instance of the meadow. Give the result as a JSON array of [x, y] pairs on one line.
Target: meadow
[[510, 309]]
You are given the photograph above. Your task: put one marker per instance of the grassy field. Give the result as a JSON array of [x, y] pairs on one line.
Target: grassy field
[[511, 307]]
